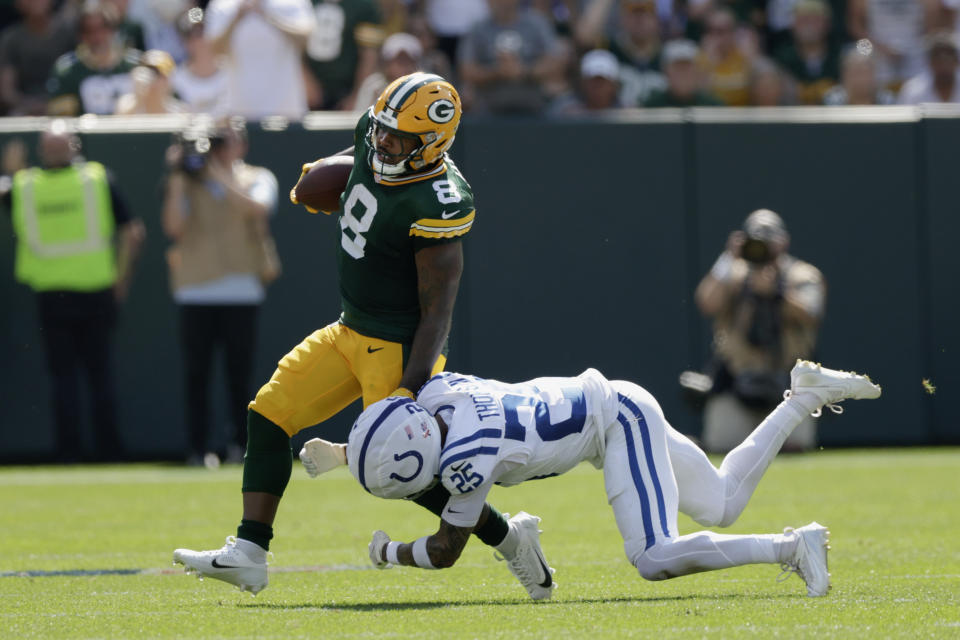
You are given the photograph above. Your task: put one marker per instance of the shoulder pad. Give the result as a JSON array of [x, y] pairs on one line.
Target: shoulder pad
[[467, 469]]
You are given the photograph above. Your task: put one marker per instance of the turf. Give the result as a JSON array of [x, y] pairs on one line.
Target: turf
[[894, 517]]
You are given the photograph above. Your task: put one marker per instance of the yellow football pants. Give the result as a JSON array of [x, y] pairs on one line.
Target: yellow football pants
[[331, 368]]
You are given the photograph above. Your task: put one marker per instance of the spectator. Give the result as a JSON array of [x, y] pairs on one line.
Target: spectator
[[399, 56], [599, 87], [151, 87], [768, 86], [636, 43], [451, 21], [65, 254], [766, 307], [940, 82], [896, 28], [27, 53], [129, 31], [727, 68], [433, 59], [91, 78], [811, 58], [858, 79], [778, 23], [201, 81], [508, 59], [263, 41], [215, 210], [342, 51], [683, 79], [157, 20]]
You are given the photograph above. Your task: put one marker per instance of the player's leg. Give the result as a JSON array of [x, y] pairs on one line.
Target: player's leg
[[717, 497], [643, 492], [311, 383]]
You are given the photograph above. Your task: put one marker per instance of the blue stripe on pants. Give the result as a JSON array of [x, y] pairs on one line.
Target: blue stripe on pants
[[648, 455], [638, 481]]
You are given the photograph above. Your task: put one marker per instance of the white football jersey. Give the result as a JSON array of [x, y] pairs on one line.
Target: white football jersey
[[504, 434]]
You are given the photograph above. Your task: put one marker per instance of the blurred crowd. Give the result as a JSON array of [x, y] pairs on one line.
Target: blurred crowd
[[259, 58]]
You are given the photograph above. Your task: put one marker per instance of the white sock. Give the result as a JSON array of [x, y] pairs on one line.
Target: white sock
[[806, 400], [508, 546], [252, 550]]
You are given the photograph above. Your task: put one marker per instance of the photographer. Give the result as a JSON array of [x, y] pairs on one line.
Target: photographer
[[216, 211], [767, 307]]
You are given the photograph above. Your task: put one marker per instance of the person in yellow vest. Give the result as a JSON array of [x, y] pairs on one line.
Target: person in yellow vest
[[215, 210], [76, 247]]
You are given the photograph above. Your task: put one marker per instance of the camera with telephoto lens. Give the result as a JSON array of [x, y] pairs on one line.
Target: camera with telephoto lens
[[757, 251], [195, 148]]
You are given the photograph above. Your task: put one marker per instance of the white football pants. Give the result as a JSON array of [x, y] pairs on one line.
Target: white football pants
[[651, 471]]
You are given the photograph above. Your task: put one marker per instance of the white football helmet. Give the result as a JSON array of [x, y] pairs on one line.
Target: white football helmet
[[394, 449]]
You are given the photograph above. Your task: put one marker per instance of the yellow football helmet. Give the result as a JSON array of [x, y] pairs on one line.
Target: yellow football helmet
[[421, 106]]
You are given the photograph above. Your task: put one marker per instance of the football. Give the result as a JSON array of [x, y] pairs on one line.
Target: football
[[320, 187]]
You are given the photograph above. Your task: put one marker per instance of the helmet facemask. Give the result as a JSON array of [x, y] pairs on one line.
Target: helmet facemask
[[393, 164]]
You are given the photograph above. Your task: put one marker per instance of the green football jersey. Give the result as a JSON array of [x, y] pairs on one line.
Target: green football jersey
[[96, 90], [333, 48], [383, 223]]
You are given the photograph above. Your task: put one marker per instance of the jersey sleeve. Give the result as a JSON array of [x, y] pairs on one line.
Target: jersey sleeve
[[445, 213], [464, 509], [468, 469]]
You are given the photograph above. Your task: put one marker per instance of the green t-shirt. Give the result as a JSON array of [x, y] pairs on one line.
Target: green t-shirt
[[95, 90], [382, 226], [332, 50]]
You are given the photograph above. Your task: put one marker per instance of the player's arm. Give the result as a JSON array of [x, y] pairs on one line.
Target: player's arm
[[438, 278], [438, 551]]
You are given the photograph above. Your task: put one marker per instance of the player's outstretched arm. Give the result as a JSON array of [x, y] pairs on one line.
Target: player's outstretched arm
[[438, 278], [439, 551]]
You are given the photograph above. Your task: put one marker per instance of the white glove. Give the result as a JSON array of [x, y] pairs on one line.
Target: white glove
[[319, 456], [377, 549]]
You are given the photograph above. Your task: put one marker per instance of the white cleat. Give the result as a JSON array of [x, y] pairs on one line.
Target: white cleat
[[529, 566], [809, 560], [829, 385], [228, 563]]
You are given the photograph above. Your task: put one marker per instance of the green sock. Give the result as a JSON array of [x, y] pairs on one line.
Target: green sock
[[269, 460], [494, 530], [257, 532]]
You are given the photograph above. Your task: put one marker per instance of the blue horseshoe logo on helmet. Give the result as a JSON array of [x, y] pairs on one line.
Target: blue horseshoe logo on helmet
[[400, 456]]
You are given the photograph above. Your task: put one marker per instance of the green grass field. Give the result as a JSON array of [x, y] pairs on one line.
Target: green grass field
[[894, 517]]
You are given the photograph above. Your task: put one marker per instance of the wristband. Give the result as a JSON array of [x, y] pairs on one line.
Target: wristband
[[391, 553], [403, 391], [420, 556]]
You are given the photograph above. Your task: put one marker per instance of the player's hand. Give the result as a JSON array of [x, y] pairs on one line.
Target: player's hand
[[319, 456], [378, 550]]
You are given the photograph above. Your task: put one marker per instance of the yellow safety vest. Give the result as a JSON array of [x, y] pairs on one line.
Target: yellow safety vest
[[64, 223]]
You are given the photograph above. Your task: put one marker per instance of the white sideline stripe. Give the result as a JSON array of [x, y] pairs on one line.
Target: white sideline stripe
[[82, 573]]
